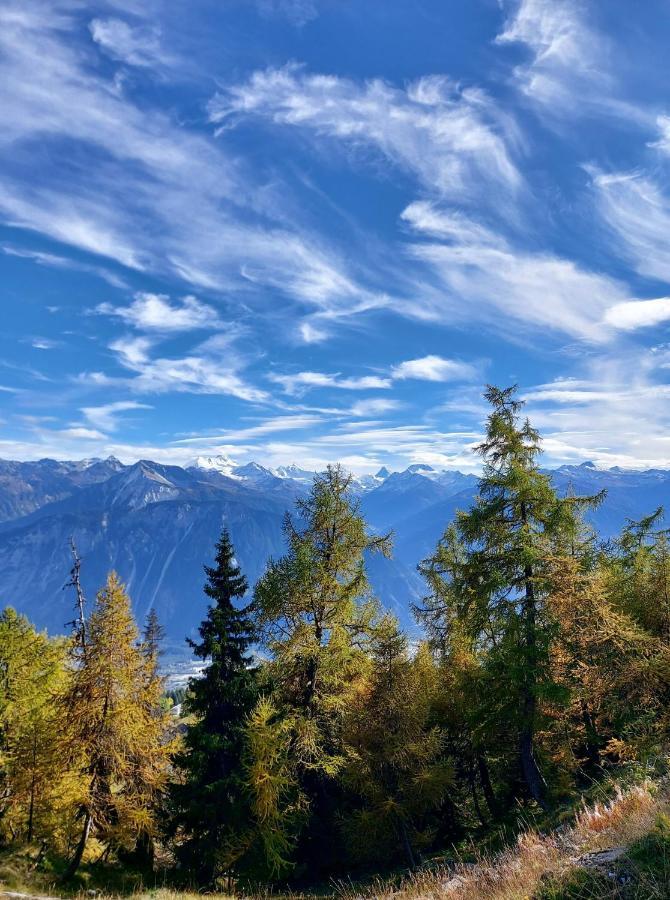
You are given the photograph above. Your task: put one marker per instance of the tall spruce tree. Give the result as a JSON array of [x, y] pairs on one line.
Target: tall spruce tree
[[211, 818], [490, 576]]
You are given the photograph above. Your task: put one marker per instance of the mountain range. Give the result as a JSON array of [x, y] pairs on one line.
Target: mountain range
[[157, 524]]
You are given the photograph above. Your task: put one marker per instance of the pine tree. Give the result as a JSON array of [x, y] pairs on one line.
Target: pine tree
[[110, 729], [152, 637], [496, 561], [211, 816]]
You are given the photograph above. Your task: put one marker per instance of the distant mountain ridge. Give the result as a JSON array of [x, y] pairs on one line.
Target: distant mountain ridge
[[156, 525]]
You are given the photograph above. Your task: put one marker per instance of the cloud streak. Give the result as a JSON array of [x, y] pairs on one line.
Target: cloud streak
[[479, 275], [452, 139]]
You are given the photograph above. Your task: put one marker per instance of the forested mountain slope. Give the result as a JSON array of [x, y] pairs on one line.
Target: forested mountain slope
[[157, 524]]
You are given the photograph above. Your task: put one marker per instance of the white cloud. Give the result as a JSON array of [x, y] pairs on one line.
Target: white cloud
[[448, 225], [311, 334], [638, 313], [155, 312], [206, 370], [89, 223], [80, 433], [567, 54], [106, 417], [61, 262], [616, 411], [304, 381], [133, 351], [135, 46], [272, 425], [452, 139], [194, 374], [374, 406], [480, 276], [637, 210], [573, 66], [434, 368], [427, 368], [663, 142]]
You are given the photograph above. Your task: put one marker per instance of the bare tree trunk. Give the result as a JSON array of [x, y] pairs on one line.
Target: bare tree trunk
[[531, 771], [407, 846], [75, 582], [81, 846], [475, 798], [487, 787], [590, 737]]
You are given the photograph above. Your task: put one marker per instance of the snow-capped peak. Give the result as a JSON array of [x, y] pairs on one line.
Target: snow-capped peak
[[295, 473], [221, 463]]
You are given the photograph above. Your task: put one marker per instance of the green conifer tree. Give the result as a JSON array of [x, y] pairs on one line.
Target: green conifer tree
[[211, 818], [316, 614], [490, 575]]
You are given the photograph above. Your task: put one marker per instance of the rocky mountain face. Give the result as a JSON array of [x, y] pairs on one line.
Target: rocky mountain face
[[156, 525]]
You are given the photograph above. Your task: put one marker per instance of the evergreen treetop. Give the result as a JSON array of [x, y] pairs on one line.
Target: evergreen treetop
[[211, 816]]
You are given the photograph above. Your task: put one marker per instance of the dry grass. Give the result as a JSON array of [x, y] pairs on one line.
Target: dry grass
[[519, 872]]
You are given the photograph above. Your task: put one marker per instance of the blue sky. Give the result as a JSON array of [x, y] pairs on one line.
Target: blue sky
[[312, 230]]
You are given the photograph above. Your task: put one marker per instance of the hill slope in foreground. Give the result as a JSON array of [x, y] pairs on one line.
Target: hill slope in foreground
[[615, 848], [156, 525]]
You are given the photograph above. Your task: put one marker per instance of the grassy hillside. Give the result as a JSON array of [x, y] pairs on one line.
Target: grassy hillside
[[611, 848]]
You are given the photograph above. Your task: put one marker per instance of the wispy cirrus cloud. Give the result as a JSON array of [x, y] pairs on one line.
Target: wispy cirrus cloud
[[107, 417], [206, 369], [135, 45], [143, 173], [298, 12], [567, 55], [481, 275], [637, 210], [243, 434], [53, 260], [43, 343], [301, 382], [426, 368], [453, 139], [614, 412]]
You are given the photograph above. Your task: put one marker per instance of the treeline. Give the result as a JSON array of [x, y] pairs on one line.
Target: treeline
[[320, 739]]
